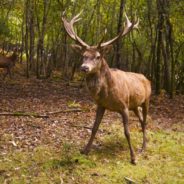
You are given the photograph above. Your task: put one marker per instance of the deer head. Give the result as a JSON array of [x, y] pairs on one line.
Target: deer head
[[14, 57], [92, 55]]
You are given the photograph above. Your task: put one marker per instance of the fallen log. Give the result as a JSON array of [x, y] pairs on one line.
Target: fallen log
[[37, 115], [26, 114]]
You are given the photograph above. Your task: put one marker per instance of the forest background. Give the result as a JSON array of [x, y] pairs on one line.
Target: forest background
[[35, 28], [46, 113]]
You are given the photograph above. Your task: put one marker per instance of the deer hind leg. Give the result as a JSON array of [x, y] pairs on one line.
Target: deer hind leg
[[143, 126], [6, 73], [127, 135], [145, 107], [138, 114], [99, 115]]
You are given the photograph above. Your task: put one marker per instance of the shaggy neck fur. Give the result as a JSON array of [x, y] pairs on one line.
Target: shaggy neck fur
[[13, 57], [100, 81]]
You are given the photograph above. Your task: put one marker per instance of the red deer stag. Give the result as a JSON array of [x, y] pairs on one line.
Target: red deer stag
[[112, 89], [8, 63]]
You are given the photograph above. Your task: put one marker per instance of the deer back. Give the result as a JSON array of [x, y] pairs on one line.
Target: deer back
[[8, 61]]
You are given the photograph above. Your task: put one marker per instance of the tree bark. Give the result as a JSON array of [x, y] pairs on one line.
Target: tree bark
[[158, 51], [119, 27], [27, 4]]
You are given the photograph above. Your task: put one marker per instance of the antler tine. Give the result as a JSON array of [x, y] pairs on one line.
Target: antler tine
[[99, 44], [129, 26], [137, 24], [70, 29], [137, 20], [76, 18], [128, 23]]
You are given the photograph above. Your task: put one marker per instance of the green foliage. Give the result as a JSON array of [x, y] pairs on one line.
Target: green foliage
[[4, 29], [97, 16]]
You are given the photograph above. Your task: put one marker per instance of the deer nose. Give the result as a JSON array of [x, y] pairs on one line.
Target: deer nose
[[84, 68]]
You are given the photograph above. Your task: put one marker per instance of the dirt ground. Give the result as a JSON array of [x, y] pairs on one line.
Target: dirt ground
[[43, 96]]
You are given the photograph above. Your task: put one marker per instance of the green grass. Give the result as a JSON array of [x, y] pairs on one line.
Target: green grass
[[162, 163]]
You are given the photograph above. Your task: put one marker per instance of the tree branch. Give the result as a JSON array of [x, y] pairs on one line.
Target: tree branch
[[26, 114], [37, 115]]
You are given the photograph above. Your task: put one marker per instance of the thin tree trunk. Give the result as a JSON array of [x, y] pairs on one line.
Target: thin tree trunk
[[27, 4], [166, 66], [170, 45], [158, 51], [118, 45], [32, 35], [23, 38]]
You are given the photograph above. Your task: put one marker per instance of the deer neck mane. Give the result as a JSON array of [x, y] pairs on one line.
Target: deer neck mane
[[99, 81], [13, 57], [103, 72]]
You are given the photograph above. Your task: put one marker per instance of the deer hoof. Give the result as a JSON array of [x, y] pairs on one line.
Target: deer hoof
[[84, 152], [134, 162], [141, 150]]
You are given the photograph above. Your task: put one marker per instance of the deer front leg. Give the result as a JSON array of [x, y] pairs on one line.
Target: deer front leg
[[125, 117], [99, 115], [6, 73], [9, 72]]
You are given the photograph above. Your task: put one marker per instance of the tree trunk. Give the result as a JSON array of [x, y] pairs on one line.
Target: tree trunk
[[158, 51], [166, 66], [32, 39], [27, 4], [118, 45]]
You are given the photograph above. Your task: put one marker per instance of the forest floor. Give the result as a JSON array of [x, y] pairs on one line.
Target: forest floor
[[46, 150]]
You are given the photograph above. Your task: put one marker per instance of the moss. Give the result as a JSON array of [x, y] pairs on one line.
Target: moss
[[161, 163]]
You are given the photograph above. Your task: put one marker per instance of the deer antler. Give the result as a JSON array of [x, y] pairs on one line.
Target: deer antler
[[103, 36], [128, 27], [70, 30]]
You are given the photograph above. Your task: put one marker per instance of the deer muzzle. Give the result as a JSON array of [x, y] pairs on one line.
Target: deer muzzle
[[85, 68]]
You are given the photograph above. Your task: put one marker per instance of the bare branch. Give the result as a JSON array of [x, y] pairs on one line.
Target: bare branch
[[37, 115]]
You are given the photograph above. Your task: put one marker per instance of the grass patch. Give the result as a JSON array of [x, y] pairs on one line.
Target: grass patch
[[162, 162]]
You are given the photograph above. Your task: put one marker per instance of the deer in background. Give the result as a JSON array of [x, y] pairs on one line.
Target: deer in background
[[112, 89], [8, 62]]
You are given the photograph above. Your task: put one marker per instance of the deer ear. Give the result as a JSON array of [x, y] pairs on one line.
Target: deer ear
[[77, 48], [106, 49]]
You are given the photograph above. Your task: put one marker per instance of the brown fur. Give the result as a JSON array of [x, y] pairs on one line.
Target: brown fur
[[8, 63], [117, 91], [111, 88]]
